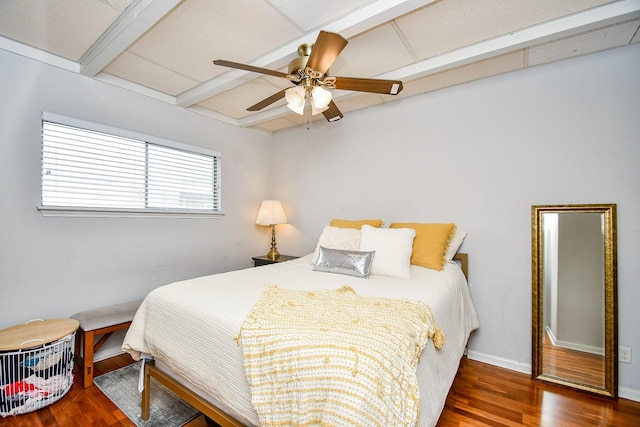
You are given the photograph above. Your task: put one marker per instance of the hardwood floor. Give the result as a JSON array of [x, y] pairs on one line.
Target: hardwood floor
[[573, 365], [481, 395]]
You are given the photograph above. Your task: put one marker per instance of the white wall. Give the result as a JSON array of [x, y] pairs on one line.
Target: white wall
[[480, 154], [53, 267], [581, 277]]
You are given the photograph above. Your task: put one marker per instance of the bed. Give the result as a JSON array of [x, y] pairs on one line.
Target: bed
[[190, 329]]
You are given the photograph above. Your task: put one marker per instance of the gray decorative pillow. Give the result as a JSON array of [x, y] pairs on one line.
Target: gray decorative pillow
[[351, 263]]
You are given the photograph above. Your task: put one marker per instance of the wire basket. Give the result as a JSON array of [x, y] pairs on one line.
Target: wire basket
[[33, 378]]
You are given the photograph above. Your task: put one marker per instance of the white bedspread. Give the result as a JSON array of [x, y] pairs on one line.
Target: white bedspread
[[191, 326]]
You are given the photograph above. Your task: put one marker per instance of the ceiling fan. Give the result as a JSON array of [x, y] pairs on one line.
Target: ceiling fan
[[308, 73]]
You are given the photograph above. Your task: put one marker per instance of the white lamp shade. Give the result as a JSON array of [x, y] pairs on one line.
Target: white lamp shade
[[320, 98], [296, 109], [271, 212], [315, 111], [295, 99]]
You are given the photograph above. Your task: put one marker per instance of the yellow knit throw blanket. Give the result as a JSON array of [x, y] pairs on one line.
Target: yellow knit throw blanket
[[335, 358]]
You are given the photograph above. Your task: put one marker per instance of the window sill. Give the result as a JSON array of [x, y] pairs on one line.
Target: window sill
[[121, 213]]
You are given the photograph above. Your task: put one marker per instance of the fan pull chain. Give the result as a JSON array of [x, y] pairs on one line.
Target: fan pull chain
[[308, 109]]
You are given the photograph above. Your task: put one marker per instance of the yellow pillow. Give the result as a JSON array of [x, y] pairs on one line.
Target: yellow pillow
[[430, 244], [346, 223]]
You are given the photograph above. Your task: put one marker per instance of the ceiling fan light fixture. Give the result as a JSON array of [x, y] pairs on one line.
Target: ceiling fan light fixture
[[320, 98], [295, 99], [315, 110], [308, 74], [296, 109]]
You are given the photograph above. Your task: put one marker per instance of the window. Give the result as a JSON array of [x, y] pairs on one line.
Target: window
[[94, 171]]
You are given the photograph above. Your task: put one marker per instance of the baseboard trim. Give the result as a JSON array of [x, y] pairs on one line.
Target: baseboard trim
[[113, 347], [525, 368], [573, 346], [629, 393], [513, 365], [107, 353]]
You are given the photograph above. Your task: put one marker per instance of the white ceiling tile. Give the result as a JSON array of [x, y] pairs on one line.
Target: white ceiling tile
[[118, 4], [280, 123], [358, 101], [139, 70], [67, 28], [235, 102], [372, 53], [489, 67], [448, 25], [308, 16], [582, 44], [200, 31]]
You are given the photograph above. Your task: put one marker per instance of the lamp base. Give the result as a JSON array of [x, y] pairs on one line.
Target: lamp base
[[273, 253]]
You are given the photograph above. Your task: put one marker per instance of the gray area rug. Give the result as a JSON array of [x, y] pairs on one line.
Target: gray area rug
[[167, 410]]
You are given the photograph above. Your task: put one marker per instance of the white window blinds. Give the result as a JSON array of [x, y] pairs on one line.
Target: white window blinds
[[89, 169]]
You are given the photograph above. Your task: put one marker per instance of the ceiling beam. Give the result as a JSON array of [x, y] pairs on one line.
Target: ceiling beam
[[139, 17]]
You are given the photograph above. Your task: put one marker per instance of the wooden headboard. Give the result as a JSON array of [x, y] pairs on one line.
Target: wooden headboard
[[464, 263]]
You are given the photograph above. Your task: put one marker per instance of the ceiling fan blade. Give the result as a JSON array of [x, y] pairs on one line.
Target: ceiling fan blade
[[325, 50], [333, 113], [389, 87], [268, 101], [246, 67]]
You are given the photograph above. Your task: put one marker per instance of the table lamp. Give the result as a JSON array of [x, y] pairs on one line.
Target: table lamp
[[271, 213]]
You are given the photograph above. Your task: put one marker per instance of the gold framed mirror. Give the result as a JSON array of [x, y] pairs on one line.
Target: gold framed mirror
[[574, 283]]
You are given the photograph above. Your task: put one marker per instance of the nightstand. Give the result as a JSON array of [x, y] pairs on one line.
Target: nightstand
[[264, 260]]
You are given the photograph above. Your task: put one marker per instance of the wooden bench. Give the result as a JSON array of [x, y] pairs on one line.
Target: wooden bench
[[99, 323]]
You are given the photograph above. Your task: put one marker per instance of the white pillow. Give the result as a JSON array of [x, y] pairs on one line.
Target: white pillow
[[347, 239], [455, 243], [393, 247]]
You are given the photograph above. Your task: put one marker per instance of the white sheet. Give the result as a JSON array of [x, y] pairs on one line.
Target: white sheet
[[191, 326]]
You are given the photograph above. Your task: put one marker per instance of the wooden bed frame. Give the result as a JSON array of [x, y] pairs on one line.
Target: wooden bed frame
[[207, 408], [464, 263], [183, 392]]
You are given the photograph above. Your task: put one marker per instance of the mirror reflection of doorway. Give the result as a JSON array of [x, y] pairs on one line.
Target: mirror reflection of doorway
[[573, 289]]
